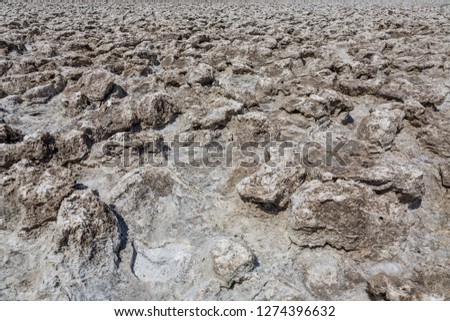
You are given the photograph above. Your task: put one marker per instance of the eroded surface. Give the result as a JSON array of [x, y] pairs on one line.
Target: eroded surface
[[82, 86]]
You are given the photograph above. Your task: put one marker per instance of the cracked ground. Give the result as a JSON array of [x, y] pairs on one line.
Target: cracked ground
[[109, 115]]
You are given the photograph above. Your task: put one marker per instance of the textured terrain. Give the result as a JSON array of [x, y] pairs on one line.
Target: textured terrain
[[99, 106]]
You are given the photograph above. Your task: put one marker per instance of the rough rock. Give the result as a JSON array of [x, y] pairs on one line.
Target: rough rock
[[434, 136], [386, 288], [110, 120], [39, 146], [325, 103], [407, 182], [402, 90], [271, 187], [9, 135], [232, 260], [77, 103], [220, 113], [42, 94], [444, 170], [96, 84], [37, 192], [71, 147], [155, 111], [87, 241], [344, 215], [201, 74], [87, 227], [381, 126]]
